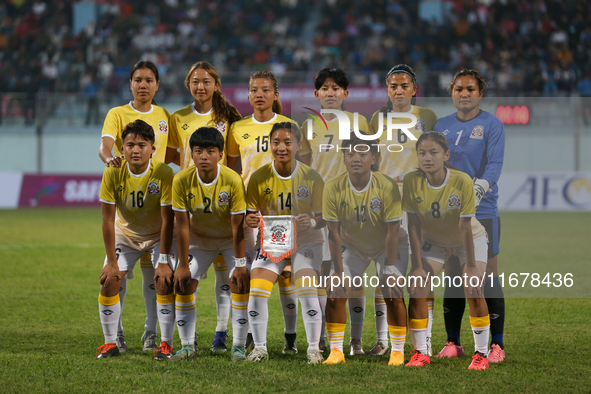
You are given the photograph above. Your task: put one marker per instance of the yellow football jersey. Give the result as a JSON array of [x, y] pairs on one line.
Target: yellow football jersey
[[397, 164], [328, 162], [440, 208], [119, 117], [272, 194], [183, 123], [362, 214], [249, 139], [210, 204], [138, 198]]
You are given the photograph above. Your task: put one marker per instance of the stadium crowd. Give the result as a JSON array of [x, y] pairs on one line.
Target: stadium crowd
[[540, 47]]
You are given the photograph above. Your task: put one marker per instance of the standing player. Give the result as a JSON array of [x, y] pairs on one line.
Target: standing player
[[209, 205], [401, 85], [137, 218], [363, 213], [477, 143], [286, 187], [331, 90], [249, 141], [144, 81], [439, 202], [210, 109]]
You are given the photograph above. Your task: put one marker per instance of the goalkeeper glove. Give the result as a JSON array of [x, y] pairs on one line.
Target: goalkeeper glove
[[480, 189]]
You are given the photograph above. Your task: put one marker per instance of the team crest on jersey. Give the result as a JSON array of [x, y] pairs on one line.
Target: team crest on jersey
[[224, 198], [153, 188], [221, 127], [302, 193], [477, 132], [278, 233], [420, 126], [454, 202], [445, 132], [309, 253], [375, 204], [163, 127]]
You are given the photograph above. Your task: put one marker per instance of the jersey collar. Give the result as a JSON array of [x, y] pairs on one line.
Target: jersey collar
[[199, 113], [140, 112], [272, 120], [443, 184], [212, 182], [366, 186], [143, 173], [297, 166]]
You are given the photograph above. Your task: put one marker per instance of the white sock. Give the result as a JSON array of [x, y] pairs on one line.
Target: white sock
[[322, 299], [186, 316], [481, 332], [223, 296], [336, 334], [357, 313], [430, 309], [258, 310], [311, 314], [289, 304], [109, 312], [381, 317], [149, 295], [165, 309], [122, 294], [240, 325], [418, 334]]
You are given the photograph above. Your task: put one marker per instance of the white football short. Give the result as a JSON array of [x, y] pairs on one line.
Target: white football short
[[355, 265], [128, 257], [441, 254]]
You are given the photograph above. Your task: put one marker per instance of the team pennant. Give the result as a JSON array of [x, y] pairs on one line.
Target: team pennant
[[278, 237]]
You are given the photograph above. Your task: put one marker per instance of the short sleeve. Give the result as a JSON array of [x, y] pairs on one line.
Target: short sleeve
[[374, 122], [238, 197], [468, 207], [232, 148], [179, 203], [173, 135], [252, 195], [329, 204], [107, 193], [364, 125], [112, 125], [166, 196], [407, 204]]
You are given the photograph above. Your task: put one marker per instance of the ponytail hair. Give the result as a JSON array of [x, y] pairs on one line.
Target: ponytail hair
[[145, 64], [223, 111], [277, 106], [468, 73]]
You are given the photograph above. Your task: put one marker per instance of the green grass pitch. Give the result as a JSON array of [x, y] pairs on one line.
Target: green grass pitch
[[50, 329]]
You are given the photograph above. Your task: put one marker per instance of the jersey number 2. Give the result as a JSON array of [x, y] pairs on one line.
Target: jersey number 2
[[207, 203]]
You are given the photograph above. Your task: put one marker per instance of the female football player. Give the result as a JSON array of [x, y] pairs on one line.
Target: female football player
[[249, 141], [401, 86], [143, 82], [331, 90], [476, 141], [136, 202], [210, 109], [363, 213], [439, 202], [286, 187]]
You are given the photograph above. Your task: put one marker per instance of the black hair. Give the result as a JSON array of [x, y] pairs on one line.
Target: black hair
[[140, 129], [468, 73], [440, 140], [354, 140], [293, 128], [207, 137], [145, 64], [277, 106], [339, 76], [405, 69]]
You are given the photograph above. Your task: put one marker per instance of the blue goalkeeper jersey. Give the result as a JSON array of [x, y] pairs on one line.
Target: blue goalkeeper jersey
[[477, 147]]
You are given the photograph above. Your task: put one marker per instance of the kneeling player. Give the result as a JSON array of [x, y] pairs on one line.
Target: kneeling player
[[137, 218], [441, 224], [362, 211], [286, 187], [209, 205]]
